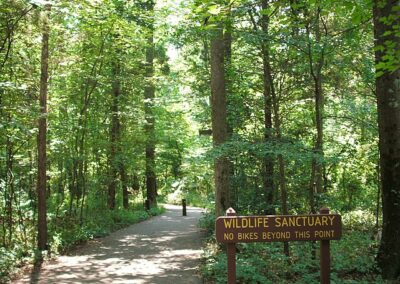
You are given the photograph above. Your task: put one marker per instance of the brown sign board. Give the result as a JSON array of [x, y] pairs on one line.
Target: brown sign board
[[278, 228]]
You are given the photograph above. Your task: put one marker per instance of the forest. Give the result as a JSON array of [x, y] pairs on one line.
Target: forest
[[266, 106]]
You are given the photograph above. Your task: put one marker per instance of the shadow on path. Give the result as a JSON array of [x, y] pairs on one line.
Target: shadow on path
[[164, 249], [36, 271]]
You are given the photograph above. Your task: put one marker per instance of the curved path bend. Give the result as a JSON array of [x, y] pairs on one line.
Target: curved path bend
[[164, 249]]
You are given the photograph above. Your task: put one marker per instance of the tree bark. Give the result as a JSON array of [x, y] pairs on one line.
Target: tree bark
[[42, 177], [124, 182], [281, 161], [114, 136], [219, 120], [229, 92], [315, 67], [271, 106], [149, 96], [268, 164], [9, 191], [388, 98]]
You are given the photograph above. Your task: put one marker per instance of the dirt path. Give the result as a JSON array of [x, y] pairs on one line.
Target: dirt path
[[165, 249]]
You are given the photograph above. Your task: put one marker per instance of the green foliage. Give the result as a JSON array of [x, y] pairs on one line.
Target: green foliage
[[88, 38], [7, 260], [207, 222], [353, 257], [12, 260], [352, 262]]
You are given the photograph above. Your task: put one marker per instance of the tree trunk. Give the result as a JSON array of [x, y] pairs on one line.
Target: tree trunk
[[271, 105], [281, 161], [149, 95], [114, 136], [42, 177], [229, 92], [317, 168], [219, 120], [9, 189], [268, 164], [124, 182], [318, 149], [388, 96]]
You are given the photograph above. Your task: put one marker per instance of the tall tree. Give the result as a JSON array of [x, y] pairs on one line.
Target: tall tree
[[219, 118], [42, 141], [272, 105], [149, 96], [268, 88], [316, 60], [114, 162], [387, 45]]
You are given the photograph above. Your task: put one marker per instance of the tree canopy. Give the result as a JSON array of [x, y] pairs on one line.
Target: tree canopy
[[266, 106]]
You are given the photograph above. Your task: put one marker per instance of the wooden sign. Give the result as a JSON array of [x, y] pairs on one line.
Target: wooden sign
[[246, 229], [323, 227]]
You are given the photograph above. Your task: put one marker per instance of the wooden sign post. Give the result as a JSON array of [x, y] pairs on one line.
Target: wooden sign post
[[325, 256], [232, 229], [231, 254]]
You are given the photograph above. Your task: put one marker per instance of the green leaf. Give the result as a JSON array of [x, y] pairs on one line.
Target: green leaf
[[214, 9]]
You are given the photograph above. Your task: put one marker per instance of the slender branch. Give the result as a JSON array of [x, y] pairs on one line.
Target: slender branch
[[10, 29], [253, 21], [351, 28], [10, 40]]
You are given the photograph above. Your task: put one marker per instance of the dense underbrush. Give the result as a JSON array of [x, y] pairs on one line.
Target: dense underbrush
[[353, 258], [66, 232]]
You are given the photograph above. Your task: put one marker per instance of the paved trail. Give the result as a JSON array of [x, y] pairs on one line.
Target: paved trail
[[165, 249]]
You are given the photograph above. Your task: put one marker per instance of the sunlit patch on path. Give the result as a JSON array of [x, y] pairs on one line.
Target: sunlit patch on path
[[164, 249]]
